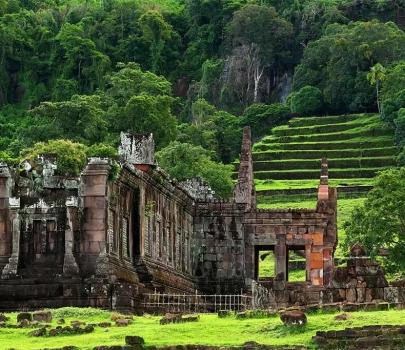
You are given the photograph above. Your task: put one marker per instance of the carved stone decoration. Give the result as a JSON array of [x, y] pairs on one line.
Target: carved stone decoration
[[137, 148], [198, 189], [245, 191], [263, 298]]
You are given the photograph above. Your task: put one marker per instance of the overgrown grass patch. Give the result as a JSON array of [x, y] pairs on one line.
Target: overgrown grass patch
[[210, 330]]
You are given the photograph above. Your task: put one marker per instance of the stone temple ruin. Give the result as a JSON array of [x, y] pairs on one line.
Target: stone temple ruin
[[96, 241]]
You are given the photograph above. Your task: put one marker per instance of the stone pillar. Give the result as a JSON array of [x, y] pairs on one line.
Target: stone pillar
[[280, 251], [12, 266], [70, 266], [93, 194], [5, 234], [245, 191]]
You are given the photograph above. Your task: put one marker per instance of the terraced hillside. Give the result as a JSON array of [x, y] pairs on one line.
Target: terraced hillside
[[357, 146]]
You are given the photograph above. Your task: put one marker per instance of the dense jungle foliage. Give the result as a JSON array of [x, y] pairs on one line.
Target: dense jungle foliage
[[192, 71]]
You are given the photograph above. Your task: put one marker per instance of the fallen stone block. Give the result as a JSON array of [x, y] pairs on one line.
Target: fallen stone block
[[190, 318], [42, 316], [24, 316], [123, 322], [38, 332], [294, 318], [134, 340], [170, 318], [3, 317]]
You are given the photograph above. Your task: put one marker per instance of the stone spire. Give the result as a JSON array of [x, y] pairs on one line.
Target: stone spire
[[323, 188], [245, 191]]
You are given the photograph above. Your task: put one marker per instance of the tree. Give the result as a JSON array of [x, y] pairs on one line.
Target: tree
[[380, 222], [262, 118], [156, 31], [142, 102], [336, 63], [185, 161], [307, 101], [80, 119], [259, 40], [376, 75]]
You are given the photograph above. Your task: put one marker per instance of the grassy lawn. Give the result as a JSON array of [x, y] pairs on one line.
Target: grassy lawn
[[210, 330], [263, 185]]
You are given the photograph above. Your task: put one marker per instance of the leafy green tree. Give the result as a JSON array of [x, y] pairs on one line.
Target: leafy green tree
[[307, 101], [207, 21], [156, 31], [79, 58], [394, 80], [379, 223], [262, 118], [335, 61], [201, 110], [259, 40], [228, 136], [376, 75], [80, 119], [142, 102], [184, 161]]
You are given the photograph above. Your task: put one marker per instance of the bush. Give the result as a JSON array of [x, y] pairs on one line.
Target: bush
[[262, 118], [307, 101]]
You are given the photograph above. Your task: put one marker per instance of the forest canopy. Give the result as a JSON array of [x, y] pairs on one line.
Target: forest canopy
[[192, 71]]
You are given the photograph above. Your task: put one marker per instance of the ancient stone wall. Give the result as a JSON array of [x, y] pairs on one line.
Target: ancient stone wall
[[94, 241]]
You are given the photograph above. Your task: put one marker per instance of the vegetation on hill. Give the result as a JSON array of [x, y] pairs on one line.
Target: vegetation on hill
[[197, 71], [183, 69]]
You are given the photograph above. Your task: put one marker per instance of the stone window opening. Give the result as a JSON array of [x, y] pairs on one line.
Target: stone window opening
[[296, 264], [264, 264]]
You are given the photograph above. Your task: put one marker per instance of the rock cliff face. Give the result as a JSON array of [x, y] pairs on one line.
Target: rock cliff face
[[91, 241]]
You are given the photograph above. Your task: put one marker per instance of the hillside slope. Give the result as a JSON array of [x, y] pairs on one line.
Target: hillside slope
[[357, 147]]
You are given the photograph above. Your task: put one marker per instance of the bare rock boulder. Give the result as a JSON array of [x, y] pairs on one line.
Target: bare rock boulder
[[294, 318]]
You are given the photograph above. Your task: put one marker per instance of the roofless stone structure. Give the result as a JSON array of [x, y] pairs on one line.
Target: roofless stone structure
[[92, 241]]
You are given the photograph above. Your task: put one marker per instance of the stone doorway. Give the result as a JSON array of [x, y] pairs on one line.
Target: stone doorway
[[42, 243]]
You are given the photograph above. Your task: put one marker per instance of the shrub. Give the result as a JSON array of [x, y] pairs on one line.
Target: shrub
[[307, 101]]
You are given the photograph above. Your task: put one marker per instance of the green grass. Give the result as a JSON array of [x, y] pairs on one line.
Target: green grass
[[210, 330], [270, 184]]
